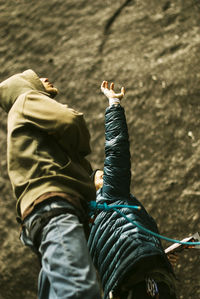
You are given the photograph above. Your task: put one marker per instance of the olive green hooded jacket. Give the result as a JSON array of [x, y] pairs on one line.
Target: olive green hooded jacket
[[46, 143]]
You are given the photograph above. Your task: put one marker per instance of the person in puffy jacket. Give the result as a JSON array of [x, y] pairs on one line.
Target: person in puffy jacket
[[131, 262], [47, 145]]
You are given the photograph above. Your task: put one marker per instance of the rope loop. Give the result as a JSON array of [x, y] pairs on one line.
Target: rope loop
[[105, 207]]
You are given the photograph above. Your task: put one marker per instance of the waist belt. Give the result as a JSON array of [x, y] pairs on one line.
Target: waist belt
[[39, 222]]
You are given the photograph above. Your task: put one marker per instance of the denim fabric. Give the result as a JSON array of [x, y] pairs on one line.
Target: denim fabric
[[67, 270]]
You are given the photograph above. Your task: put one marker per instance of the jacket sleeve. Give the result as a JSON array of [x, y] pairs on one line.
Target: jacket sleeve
[[117, 175], [66, 125]]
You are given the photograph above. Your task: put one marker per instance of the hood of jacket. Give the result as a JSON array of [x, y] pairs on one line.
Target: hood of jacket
[[16, 85]]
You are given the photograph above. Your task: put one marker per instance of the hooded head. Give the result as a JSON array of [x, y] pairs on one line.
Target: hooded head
[[16, 85]]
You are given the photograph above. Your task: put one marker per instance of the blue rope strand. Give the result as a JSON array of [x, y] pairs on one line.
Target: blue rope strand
[[104, 207]]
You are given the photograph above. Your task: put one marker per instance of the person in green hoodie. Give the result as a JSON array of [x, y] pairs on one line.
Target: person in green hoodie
[[47, 145]]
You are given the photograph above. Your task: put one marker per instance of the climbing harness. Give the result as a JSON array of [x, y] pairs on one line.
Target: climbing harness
[[94, 207]]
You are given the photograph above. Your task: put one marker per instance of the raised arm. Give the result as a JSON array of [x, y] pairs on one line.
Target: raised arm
[[117, 175]]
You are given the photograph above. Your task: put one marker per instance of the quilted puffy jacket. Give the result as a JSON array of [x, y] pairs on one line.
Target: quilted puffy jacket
[[116, 245]]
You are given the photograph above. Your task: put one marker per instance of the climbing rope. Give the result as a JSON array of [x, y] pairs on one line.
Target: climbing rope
[[104, 207]]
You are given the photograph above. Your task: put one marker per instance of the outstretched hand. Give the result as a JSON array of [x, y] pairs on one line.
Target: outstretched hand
[[114, 98]]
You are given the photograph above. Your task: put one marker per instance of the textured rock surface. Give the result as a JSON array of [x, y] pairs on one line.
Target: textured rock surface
[[150, 47]]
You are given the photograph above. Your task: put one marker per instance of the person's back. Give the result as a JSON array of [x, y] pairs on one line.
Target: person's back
[[127, 258], [47, 145]]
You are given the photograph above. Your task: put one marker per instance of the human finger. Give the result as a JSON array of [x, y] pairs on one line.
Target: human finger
[[102, 85], [123, 91], [112, 86], [121, 94]]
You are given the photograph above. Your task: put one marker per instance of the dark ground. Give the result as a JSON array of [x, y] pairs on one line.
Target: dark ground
[[150, 47]]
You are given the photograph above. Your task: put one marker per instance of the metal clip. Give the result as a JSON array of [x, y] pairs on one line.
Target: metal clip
[[152, 288]]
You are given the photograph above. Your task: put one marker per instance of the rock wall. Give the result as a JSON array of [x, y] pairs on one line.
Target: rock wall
[[151, 48]]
